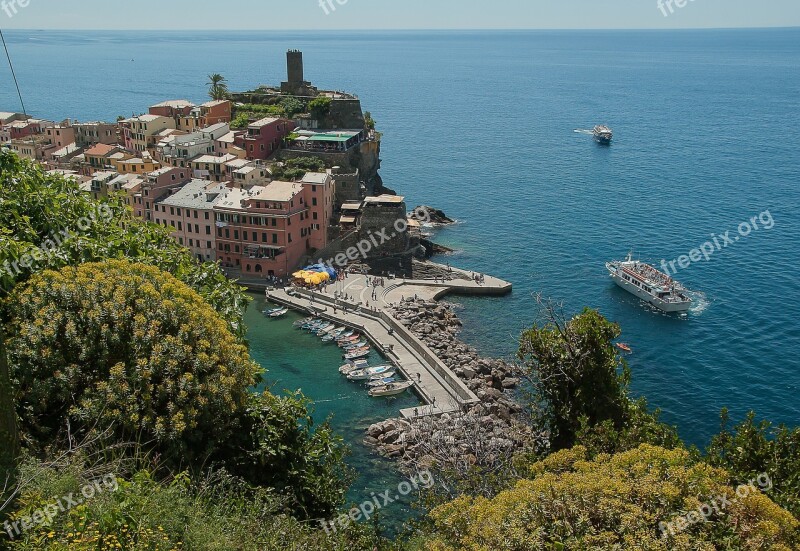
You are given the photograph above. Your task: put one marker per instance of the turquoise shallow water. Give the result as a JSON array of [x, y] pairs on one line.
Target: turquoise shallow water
[[707, 127], [298, 360]]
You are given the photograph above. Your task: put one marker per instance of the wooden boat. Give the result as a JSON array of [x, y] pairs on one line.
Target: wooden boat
[[368, 373], [392, 389], [624, 347]]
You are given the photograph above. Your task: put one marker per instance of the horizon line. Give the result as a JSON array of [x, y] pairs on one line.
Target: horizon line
[[485, 29]]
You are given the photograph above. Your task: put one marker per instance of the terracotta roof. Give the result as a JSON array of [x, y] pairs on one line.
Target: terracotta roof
[[101, 149]]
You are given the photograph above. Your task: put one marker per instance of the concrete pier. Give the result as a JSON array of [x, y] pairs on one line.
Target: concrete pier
[[366, 309]]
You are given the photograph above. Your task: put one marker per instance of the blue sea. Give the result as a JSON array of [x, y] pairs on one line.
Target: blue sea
[[482, 125]]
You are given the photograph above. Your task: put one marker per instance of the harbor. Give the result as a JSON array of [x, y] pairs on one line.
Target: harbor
[[365, 303]]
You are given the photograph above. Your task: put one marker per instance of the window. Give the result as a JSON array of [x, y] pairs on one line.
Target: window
[[244, 235], [314, 215], [264, 237], [274, 238], [290, 238], [208, 230], [313, 201], [236, 234], [180, 229], [206, 213], [227, 233], [195, 214], [172, 211]]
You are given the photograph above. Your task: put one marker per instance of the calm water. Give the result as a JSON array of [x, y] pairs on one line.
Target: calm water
[[707, 128]]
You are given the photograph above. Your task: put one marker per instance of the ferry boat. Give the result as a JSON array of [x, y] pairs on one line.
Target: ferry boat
[[649, 284], [602, 134]]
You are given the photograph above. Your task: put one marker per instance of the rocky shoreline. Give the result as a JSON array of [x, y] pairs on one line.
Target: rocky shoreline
[[488, 434]]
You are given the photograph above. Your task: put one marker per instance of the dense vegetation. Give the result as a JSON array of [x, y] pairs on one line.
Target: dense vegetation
[[295, 169], [118, 343], [120, 355], [614, 502]]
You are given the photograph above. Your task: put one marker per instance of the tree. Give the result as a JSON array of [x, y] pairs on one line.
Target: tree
[[127, 346], [9, 440], [218, 87], [575, 372], [292, 106], [320, 107], [47, 222], [644, 499], [752, 448], [369, 122]]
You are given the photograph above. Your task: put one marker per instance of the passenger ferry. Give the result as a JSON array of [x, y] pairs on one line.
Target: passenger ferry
[[602, 134], [649, 284]]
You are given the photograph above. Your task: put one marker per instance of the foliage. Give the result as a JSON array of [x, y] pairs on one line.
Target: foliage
[[613, 502], [46, 222], [640, 426], [241, 120], [752, 448], [320, 107], [292, 106], [285, 451], [127, 346], [144, 513], [218, 87], [295, 169], [9, 439], [369, 122], [574, 369]]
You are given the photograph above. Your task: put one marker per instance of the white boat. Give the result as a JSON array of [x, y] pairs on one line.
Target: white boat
[[649, 284], [356, 346], [353, 365], [392, 389], [380, 381], [279, 313], [368, 373], [602, 134], [356, 354]]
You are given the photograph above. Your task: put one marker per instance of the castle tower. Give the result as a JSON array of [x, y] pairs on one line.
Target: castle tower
[[294, 64], [296, 84]]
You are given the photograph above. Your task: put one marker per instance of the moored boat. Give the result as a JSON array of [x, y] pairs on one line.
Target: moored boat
[[278, 313], [356, 354], [381, 381], [368, 373], [649, 284], [392, 389], [353, 365]]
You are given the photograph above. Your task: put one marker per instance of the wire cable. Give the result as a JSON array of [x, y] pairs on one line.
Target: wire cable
[[13, 73]]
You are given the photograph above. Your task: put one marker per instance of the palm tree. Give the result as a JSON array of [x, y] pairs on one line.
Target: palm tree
[[218, 87]]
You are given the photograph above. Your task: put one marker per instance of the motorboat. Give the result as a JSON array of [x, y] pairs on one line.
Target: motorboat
[[368, 373], [278, 313], [392, 389], [381, 382]]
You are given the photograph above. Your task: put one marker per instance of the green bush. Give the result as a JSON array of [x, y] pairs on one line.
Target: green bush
[[126, 346]]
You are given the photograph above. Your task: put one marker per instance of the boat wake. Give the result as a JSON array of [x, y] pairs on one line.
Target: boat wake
[[584, 131], [700, 302]]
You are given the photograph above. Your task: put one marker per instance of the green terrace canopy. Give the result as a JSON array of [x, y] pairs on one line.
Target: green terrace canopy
[[337, 138]]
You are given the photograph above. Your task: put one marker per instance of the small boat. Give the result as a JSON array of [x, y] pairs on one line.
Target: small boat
[[353, 365], [389, 374], [602, 134], [326, 330], [318, 328], [356, 346], [346, 334], [381, 382], [392, 389], [624, 347], [269, 311], [279, 313], [368, 373], [300, 323], [356, 355], [346, 340]]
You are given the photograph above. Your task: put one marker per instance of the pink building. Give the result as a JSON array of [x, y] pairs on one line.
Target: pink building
[[264, 137], [189, 212], [158, 185], [319, 193]]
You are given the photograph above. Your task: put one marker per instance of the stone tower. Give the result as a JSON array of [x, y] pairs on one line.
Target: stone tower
[[294, 64], [296, 85]]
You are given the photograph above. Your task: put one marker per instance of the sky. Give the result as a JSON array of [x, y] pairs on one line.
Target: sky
[[395, 14]]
